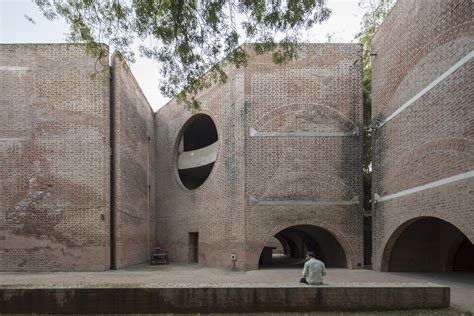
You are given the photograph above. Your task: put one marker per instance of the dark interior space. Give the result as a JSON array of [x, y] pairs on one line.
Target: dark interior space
[[200, 133], [296, 241], [431, 245], [194, 177], [464, 257]]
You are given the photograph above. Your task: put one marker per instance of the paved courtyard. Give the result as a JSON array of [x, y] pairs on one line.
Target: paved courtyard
[[174, 275]]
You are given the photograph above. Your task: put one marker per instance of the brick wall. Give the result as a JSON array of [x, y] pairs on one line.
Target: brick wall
[[321, 91], [432, 139], [54, 149], [133, 206], [215, 209]]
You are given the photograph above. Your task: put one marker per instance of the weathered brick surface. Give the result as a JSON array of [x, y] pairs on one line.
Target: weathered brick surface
[[132, 140], [320, 91], [215, 209], [434, 137], [54, 149]]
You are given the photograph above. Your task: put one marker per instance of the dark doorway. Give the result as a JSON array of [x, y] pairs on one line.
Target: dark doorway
[[193, 255], [296, 241]]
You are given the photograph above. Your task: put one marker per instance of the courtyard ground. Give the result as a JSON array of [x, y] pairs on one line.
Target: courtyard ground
[[175, 275]]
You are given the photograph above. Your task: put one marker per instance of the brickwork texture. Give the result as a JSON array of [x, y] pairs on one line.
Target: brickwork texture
[[54, 149], [61, 123], [92, 179], [133, 173], [433, 138], [320, 91]]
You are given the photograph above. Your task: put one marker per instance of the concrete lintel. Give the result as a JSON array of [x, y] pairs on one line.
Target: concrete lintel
[[255, 201], [254, 133], [197, 158], [431, 185], [13, 68]]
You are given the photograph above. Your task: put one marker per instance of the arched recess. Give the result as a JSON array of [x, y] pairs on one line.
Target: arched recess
[[327, 242], [305, 185], [316, 117], [426, 244]]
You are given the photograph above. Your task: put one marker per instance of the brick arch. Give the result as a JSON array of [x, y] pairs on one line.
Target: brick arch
[[460, 145], [400, 72], [254, 254], [335, 186], [445, 38], [458, 149], [395, 233], [281, 117]]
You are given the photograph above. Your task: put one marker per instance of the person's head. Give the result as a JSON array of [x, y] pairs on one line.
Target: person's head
[[310, 254]]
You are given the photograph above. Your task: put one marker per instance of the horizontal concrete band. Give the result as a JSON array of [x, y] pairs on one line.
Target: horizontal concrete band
[[430, 86], [13, 68], [431, 185], [197, 158], [222, 299], [254, 133], [255, 201]]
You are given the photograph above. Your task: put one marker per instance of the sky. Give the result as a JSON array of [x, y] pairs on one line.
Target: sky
[[22, 22]]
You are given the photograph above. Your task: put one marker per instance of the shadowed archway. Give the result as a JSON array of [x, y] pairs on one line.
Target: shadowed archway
[[428, 244], [296, 241]]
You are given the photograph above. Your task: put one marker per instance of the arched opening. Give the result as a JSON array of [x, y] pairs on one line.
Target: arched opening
[[430, 244], [288, 248], [197, 151]]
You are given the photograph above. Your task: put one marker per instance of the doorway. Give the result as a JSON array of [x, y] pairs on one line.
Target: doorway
[[193, 241]]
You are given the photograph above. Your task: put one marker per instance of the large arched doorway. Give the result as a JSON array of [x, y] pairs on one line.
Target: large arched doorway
[[429, 244], [289, 246]]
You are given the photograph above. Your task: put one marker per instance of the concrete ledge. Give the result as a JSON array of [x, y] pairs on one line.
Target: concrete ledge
[[222, 299]]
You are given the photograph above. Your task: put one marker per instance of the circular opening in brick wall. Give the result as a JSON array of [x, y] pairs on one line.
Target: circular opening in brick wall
[[197, 150]]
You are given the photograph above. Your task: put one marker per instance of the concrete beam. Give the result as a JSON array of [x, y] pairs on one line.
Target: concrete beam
[[431, 185], [197, 158], [255, 201], [425, 90], [254, 133]]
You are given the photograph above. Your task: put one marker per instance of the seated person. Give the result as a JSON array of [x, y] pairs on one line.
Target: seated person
[[313, 270]]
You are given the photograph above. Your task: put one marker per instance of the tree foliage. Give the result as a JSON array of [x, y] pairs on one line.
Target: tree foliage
[[189, 38], [375, 13]]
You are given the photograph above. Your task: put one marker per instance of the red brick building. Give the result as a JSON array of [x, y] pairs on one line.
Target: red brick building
[[92, 179], [276, 153], [423, 102], [65, 204]]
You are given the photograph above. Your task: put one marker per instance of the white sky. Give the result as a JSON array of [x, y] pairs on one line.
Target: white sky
[[342, 26]]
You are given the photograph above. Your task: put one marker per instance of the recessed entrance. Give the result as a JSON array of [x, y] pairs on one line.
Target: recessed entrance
[[288, 248], [430, 244], [193, 246], [197, 151]]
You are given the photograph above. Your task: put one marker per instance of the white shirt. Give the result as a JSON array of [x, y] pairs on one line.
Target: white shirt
[[313, 271]]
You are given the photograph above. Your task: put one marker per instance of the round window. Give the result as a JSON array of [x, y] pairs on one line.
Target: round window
[[197, 151]]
